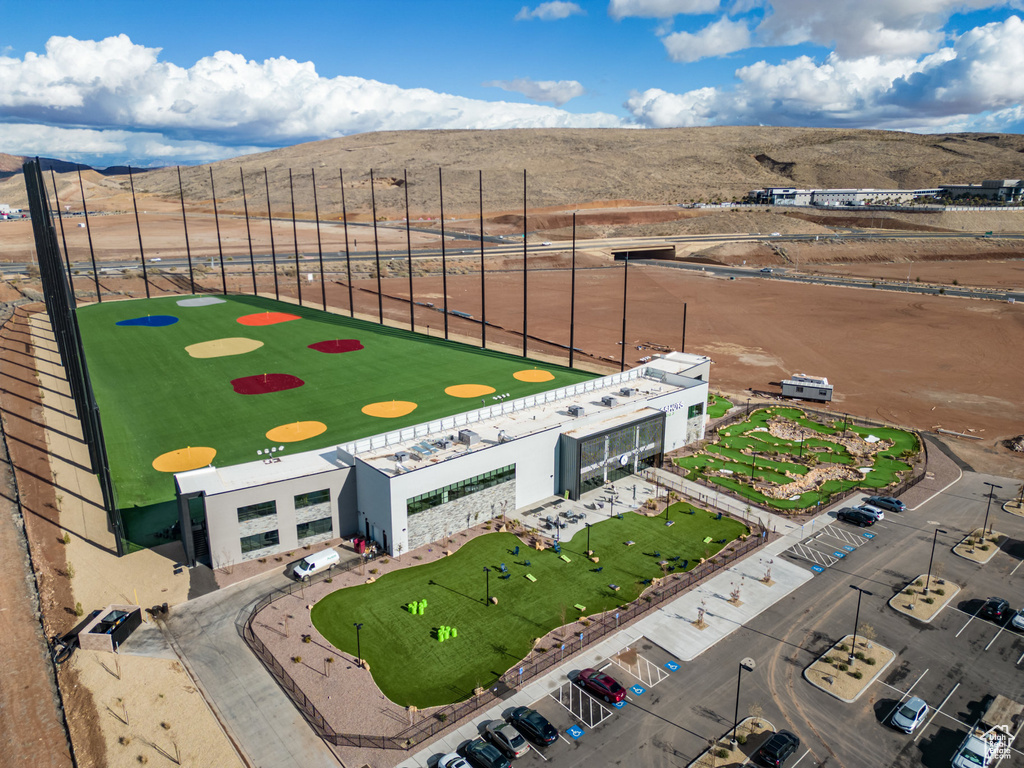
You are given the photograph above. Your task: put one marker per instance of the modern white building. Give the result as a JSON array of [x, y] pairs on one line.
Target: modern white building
[[406, 488], [838, 197], [1003, 190]]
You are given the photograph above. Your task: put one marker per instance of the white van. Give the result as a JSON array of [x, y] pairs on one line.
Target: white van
[[315, 563]]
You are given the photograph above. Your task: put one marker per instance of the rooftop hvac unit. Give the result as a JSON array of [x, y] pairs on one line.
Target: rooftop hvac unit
[[468, 437], [628, 391], [401, 456], [577, 410], [610, 401], [444, 443]]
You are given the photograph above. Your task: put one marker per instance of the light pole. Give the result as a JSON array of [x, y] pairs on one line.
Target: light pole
[[359, 654], [748, 407], [991, 493], [928, 579], [853, 645], [747, 664], [487, 585], [588, 539], [753, 465]]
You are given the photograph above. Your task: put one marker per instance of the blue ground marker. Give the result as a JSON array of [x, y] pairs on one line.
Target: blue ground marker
[[867, 535], [619, 704], [672, 666], [839, 554], [575, 731], [638, 690], [848, 548], [817, 569]]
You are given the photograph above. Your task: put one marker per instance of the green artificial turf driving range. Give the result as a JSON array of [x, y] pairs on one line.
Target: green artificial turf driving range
[[411, 666], [155, 398]]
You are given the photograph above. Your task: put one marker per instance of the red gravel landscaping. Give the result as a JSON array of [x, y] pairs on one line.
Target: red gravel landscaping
[[337, 345], [263, 383]]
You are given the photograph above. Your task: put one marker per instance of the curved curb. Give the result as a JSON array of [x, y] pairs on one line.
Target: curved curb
[[864, 684]]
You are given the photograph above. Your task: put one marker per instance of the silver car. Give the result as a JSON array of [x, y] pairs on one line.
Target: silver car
[[875, 512], [1017, 620], [910, 714]]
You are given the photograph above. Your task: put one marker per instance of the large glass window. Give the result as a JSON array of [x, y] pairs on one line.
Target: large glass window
[[462, 488], [304, 500], [695, 410], [313, 528], [260, 541], [254, 511]]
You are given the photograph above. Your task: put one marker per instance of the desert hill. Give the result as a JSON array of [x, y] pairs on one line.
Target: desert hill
[[572, 167]]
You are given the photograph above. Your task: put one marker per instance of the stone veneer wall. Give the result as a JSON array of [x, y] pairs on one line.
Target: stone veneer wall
[[259, 525], [435, 523], [316, 512]]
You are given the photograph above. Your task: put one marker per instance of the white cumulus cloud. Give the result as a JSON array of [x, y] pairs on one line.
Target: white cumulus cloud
[[552, 11], [230, 101], [558, 92], [717, 39], [659, 9]]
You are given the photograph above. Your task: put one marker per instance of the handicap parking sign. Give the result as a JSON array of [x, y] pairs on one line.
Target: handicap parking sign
[[619, 704], [672, 665], [817, 569], [575, 731], [867, 535], [848, 548], [637, 689], [839, 554]]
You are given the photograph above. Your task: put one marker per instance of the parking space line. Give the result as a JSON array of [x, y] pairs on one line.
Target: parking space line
[[584, 701], [805, 754], [1016, 567], [995, 637], [645, 672], [973, 617], [937, 710]]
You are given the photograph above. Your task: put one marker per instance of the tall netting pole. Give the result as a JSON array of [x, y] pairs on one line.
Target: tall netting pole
[[188, 248], [88, 233], [319, 242], [138, 228], [248, 232]]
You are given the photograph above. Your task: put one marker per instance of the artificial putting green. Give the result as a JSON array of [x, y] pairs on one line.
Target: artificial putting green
[[718, 406], [155, 398], [771, 465], [412, 667]]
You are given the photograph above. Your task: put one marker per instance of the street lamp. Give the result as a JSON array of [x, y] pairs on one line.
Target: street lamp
[[487, 584], [853, 645], [928, 580], [747, 664], [359, 654], [588, 538], [991, 493], [753, 464], [748, 406]]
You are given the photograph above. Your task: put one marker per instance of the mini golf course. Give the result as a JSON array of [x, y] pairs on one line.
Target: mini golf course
[[782, 459], [718, 406], [185, 382], [412, 666]]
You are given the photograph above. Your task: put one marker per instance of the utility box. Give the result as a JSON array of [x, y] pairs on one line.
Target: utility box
[[111, 627], [609, 401], [468, 437], [402, 456], [577, 410], [628, 392]]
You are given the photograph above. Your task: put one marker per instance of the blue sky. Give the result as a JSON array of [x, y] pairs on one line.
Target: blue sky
[[189, 82]]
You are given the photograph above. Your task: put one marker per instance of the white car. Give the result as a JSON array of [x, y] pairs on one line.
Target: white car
[[546, 242], [910, 714], [1017, 620], [975, 752], [453, 760], [875, 512]]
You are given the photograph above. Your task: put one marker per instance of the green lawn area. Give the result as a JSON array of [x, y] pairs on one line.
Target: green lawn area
[[155, 398], [718, 406], [412, 667], [773, 452]]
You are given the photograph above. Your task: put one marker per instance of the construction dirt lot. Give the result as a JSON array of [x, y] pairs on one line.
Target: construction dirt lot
[[923, 361]]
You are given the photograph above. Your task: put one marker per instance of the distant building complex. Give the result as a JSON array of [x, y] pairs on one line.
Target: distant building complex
[[997, 190]]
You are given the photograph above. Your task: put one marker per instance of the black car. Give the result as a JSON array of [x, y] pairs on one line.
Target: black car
[[888, 503], [996, 609], [855, 516], [483, 754], [533, 725], [778, 748]]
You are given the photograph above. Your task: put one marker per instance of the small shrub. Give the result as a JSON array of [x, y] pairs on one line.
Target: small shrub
[[844, 647], [329, 579], [843, 666], [540, 649], [870, 661], [929, 600], [277, 559], [918, 583], [296, 659], [307, 639], [983, 547], [124, 741], [908, 591], [585, 623], [166, 726], [940, 592], [723, 752], [374, 570], [741, 738], [386, 560], [416, 557], [828, 660], [262, 560], [857, 675], [142, 759], [442, 717], [67, 538], [859, 655], [70, 571], [79, 610]]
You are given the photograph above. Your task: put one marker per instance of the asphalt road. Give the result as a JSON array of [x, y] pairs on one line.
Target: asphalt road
[[958, 659]]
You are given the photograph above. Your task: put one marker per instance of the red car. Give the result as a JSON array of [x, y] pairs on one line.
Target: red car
[[600, 684]]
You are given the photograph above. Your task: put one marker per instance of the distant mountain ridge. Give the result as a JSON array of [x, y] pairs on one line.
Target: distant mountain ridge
[[10, 165]]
